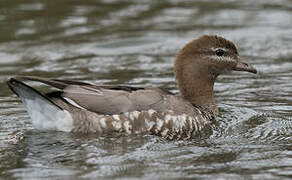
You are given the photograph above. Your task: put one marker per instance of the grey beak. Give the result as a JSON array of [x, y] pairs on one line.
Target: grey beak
[[243, 66]]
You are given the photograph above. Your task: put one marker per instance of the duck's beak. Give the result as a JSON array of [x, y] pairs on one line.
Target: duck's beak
[[243, 66]]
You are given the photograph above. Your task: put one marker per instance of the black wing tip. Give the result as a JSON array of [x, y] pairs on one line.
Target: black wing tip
[[51, 82], [16, 85], [12, 83]]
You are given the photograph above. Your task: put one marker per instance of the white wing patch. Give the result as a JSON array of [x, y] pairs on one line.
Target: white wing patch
[[70, 101]]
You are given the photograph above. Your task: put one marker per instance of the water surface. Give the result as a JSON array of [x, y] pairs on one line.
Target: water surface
[[134, 43]]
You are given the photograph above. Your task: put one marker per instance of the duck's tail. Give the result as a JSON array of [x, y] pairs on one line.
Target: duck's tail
[[45, 114]]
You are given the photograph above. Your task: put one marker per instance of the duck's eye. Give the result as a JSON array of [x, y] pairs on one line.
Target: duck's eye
[[219, 52]]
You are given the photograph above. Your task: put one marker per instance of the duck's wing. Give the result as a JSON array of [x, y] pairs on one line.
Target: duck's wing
[[107, 99], [44, 112]]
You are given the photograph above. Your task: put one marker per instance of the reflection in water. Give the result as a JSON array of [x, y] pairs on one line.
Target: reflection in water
[[134, 42]]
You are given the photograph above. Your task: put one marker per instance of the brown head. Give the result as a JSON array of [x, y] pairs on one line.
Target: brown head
[[198, 64]]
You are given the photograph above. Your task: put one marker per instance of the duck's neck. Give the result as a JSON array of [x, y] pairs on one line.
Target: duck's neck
[[197, 87]]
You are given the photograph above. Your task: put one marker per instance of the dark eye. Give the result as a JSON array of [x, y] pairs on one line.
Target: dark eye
[[219, 52]]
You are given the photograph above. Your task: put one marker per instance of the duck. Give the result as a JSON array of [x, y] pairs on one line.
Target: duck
[[85, 108]]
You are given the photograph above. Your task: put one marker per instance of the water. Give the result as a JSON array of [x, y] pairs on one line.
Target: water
[[134, 42]]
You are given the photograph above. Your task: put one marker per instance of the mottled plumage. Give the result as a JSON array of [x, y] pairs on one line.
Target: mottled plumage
[[86, 108]]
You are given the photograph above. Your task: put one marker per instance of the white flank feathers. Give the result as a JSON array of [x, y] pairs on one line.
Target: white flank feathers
[[47, 116]]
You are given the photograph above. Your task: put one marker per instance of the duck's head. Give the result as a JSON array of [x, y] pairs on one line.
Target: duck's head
[[200, 61]]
